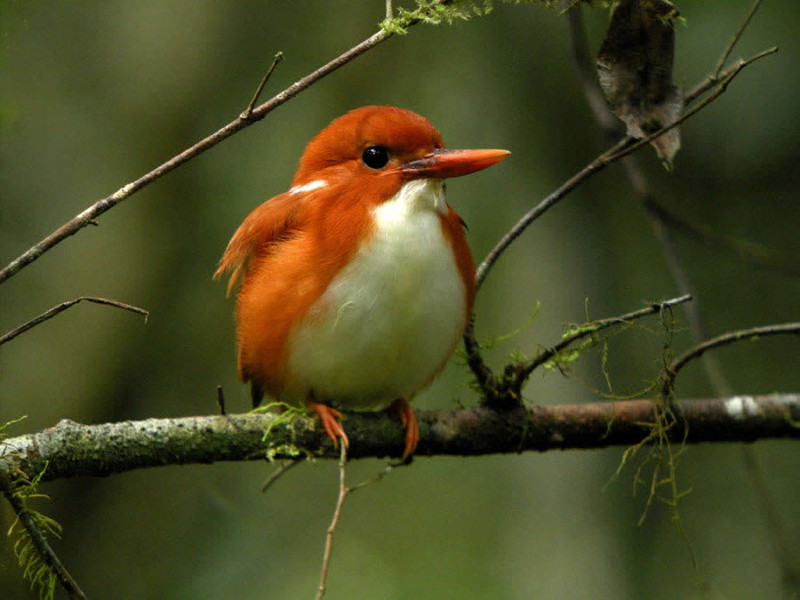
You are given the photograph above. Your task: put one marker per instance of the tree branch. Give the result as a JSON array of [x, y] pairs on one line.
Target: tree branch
[[621, 149], [664, 224], [589, 329], [37, 538], [59, 308], [724, 340], [247, 118], [71, 449]]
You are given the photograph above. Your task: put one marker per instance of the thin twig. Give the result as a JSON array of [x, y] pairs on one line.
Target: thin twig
[[725, 339], [221, 400], [722, 86], [277, 473], [592, 328], [713, 80], [736, 37], [38, 539], [88, 216], [249, 110], [593, 167], [377, 477], [619, 150], [343, 491], [663, 223], [64, 306], [483, 374]]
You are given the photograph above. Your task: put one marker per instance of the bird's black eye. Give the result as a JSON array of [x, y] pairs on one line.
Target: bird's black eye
[[375, 157]]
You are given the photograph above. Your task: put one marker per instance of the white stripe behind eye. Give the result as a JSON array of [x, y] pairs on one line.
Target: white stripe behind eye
[[308, 187]]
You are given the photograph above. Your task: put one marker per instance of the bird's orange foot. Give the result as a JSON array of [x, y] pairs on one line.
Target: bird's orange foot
[[410, 424], [330, 418]]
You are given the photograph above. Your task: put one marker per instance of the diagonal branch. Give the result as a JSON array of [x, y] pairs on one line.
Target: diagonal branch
[[735, 39], [664, 223], [507, 392], [621, 149], [596, 326], [247, 118], [37, 538]]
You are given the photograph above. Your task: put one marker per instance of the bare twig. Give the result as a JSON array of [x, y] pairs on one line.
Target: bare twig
[[38, 539], [88, 216], [735, 39], [621, 149], [724, 340], [721, 88], [713, 80], [249, 110], [593, 167], [277, 473], [663, 223], [377, 477], [343, 491], [618, 151], [64, 306]]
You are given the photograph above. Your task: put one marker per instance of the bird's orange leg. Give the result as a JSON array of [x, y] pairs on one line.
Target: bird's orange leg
[[330, 421], [410, 424]]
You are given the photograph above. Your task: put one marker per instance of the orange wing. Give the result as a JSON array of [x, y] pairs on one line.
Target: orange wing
[[267, 224]]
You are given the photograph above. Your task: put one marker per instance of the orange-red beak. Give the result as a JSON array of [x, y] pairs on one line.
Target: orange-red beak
[[441, 164]]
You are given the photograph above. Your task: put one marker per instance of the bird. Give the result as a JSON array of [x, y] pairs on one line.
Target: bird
[[354, 286]]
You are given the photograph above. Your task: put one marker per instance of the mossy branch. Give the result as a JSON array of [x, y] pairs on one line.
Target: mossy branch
[[40, 564], [71, 449]]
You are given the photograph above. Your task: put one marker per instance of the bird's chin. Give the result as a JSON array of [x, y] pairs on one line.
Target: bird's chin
[[420, 194]]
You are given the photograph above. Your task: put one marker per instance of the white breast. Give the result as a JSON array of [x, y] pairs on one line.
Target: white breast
[[391, 318]]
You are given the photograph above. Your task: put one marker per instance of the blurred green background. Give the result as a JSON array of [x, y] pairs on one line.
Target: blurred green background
[[92, 95]]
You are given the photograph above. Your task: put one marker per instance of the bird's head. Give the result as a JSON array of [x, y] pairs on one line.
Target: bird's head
[[380, 148]]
